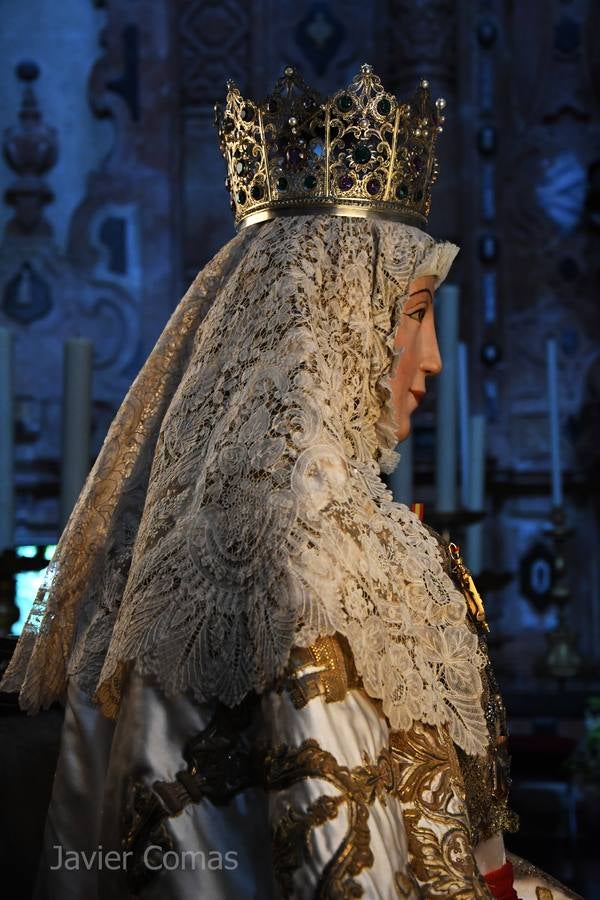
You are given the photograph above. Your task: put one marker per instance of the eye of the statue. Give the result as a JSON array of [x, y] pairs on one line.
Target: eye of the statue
[[417, 314]]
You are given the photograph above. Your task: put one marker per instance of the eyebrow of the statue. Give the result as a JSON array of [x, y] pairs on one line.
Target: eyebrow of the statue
[[422, 291]]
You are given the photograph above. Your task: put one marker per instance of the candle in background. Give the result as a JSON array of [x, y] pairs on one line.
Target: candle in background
[[445, 444], [7, 509], [402, 476], [463, 422], [476, 492], [76, 421], [552, 376]]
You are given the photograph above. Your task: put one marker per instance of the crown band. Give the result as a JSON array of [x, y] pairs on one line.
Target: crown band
[[359, 153], [332, 209]]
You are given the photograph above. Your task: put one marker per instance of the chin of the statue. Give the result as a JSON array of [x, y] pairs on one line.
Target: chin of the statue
[[403, 430]]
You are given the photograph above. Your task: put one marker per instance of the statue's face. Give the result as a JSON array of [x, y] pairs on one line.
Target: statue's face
[[417, 352]]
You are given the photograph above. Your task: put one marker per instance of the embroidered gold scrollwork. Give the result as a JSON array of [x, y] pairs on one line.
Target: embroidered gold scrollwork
[[358, 788], [221, 761], [406, 886], [434, 806], [145, 836]]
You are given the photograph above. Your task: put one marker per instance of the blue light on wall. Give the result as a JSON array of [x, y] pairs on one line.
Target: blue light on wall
[[561, 189]]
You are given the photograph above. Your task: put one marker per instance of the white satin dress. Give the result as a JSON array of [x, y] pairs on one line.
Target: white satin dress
[[339, 806]]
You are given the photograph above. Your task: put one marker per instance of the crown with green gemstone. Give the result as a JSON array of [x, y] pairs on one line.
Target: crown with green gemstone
[[359, 153]]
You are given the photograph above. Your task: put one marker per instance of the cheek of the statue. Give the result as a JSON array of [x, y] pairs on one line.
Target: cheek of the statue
[[404, 402]]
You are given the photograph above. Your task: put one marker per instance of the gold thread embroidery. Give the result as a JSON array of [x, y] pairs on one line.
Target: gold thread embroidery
[[358, 787], [406, 886], [434, 805], [145, 836], [522, 869], [486, 779], [221, 761], [291, 833]]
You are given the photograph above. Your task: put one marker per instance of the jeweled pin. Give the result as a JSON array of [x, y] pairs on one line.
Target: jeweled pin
[[468, 585]]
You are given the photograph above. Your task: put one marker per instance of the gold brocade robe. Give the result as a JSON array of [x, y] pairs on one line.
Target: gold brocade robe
[[303, 792]]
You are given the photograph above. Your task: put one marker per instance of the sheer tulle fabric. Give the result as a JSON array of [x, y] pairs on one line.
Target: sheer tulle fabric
[[236, 507]]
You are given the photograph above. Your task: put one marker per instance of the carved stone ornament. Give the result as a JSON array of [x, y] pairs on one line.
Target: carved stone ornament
[[31, 150]]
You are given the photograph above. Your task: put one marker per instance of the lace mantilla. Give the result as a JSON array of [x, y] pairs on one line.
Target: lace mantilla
[[236, 507]]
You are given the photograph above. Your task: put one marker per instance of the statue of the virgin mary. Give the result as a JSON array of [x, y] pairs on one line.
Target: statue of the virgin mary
[[275, 677]]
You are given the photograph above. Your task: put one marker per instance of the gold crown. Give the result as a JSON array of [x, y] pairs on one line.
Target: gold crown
[[358, 153]]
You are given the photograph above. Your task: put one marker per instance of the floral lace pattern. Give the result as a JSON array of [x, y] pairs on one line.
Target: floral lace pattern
[[236, 507]]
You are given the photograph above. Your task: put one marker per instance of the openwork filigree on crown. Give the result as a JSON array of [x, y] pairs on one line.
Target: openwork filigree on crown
[[360, 152]]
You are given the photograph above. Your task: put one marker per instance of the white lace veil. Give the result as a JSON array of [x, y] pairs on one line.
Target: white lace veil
[[236, 507]]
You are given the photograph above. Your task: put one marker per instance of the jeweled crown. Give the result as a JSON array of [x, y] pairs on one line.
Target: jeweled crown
[[359, 153]]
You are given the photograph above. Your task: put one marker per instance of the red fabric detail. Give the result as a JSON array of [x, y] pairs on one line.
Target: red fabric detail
[[500, 882], [419, 509]]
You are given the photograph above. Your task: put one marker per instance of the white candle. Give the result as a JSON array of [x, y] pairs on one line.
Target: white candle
[[7, 507], [76, 425], [402, 476], [463, 421], [445, 449], [552, 375], [476, 491]]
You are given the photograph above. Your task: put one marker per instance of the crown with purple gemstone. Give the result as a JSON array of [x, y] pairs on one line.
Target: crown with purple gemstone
[[358, 153]]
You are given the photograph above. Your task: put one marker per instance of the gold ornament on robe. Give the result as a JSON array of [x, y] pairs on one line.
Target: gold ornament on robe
[[468, 585]]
